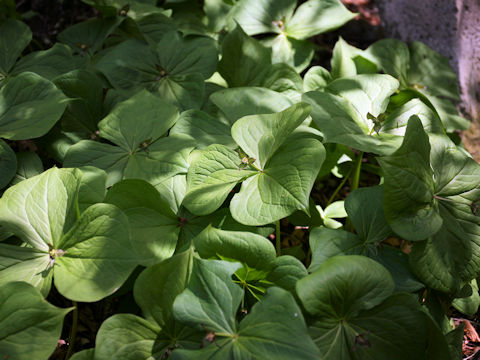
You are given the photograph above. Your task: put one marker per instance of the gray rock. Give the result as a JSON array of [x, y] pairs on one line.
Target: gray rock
[[450, 27]]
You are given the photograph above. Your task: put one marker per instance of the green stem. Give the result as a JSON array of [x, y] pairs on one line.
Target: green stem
[[357, 167], [73, 331], [339, 187], [356, 173], [278, 242]]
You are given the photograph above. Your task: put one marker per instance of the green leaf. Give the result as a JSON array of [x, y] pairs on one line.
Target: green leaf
[[288, 50], [316, 78], [263, 16], [316, 17], [409, 204], [468, 305], [200, 304], [430, 70], [205, 129], [29, 325], [396, 122], [365, 209], [393, 57], [129, 337], [211, 176], [286, 272], [91, 188], [275, 328], [342, 61], [26, 264], [239, 102], [457, 193], [29, 106], [16, 35], [98, 255], [87, 354], [41, 209], [153, 225], [180, 55], [144, 117], [49, 63], [243, 58], [8, 164], [288, 175], [85, 110], [88, 36], [343, 286], [248, 248], [29, 165], [171, 277], [355, 315], [260, 136], [345, 113], [141, 152]]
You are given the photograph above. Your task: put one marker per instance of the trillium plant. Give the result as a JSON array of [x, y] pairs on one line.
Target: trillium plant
[[249, 203]]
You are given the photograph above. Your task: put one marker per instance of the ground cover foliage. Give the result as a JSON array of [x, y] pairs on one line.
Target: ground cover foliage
[[178, 145]]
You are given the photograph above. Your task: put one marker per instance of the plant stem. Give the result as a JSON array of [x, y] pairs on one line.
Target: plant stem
[[345, 178], [357, 167], [278, 242], [356, 172], [73, 331]]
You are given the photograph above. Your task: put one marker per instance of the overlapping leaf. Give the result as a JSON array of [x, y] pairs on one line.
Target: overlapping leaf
[[278, 165], [435, 203], [88, 255], [137, 127]]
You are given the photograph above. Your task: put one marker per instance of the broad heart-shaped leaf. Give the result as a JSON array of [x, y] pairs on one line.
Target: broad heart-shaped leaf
[[286, 168], [327, 243], [8, 164], [248, 248], [242, 101], [88, 36], [142, 118], [29, 106], [87, 354], [392, 56], [29, 326], [41, 209], [154, 227], [175, 69], [136, 126], [269, 16], [260, 136], [274, 329], [85, 110], [201, 306], [29, 165], [430, 70], [378, 333], [211, 176], [355, 315], [129, 337], [364, 207], [157, 287], [49, 63], [205, 129], [343, 286], [15, 37], [26, 264], [288, 175], [457, 190], [98, 255], [343, 112], [409, 203], [243, 58], [316, 17]]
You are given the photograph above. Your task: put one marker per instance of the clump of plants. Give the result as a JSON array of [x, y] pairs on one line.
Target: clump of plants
[[178, 149]]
